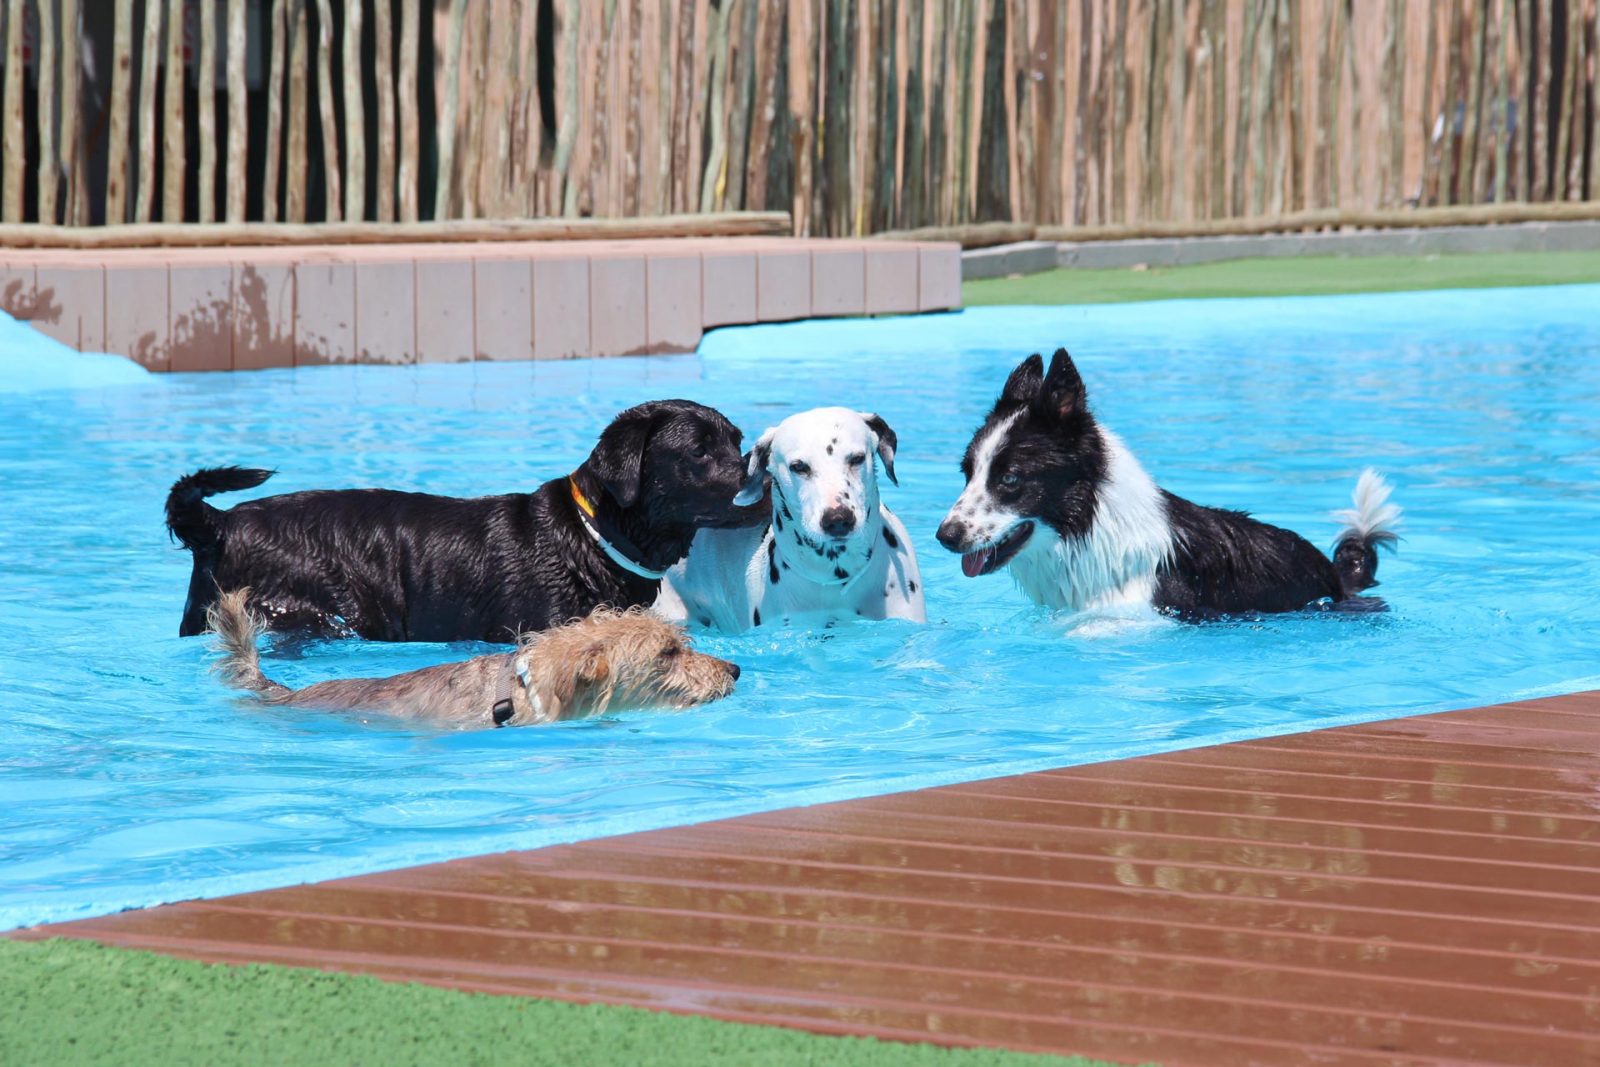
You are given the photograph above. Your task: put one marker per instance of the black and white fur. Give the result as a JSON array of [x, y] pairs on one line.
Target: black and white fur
[[1060, 500], [396, 566], [832, 550]]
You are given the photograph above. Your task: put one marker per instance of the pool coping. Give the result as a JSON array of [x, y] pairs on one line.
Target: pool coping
[[251, 308], [1034, 256], [1405, 890]]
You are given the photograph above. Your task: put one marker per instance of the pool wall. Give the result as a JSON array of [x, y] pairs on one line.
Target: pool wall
[[253, 308]]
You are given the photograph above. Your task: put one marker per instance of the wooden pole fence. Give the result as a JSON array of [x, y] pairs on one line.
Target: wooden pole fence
[[855, 115]]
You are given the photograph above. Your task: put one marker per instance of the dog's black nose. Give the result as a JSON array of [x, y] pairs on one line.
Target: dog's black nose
[[952, 534], [838, 522], [733, 669]]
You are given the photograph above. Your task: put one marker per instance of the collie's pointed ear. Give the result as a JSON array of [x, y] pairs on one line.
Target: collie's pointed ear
[[1063, 393], [887, 441], [1023, 385], [755, 478]]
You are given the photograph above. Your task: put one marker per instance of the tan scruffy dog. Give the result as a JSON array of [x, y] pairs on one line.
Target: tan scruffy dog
[[610, 661]]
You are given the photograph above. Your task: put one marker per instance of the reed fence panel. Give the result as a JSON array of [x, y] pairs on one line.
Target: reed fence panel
[[855, 116]]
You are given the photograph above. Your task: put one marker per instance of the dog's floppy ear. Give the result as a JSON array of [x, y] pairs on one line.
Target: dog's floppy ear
[[755, 478], [593, 667], [593, 673], [887, 441], [1063, 394], [1023, 385], [618, 458], [588, 674]]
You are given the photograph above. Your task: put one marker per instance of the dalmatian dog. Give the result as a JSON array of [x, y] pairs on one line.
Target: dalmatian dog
[[830, 551]]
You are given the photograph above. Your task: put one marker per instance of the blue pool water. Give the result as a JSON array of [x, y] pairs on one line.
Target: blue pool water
[[128, 776]]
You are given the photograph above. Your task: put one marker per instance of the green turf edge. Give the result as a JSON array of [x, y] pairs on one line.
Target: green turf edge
[[1309, 276], [81, 1003]]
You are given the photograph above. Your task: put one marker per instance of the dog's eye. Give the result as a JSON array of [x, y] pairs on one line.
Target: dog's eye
[[800, 467], [1009, 479], [698, 450], [856, 459], [670, 651]]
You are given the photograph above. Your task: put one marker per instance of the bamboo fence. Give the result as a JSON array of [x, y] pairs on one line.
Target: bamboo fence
[[855, 116]]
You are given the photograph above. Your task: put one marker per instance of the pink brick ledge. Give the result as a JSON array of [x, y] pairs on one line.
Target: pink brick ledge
[[249, 308]]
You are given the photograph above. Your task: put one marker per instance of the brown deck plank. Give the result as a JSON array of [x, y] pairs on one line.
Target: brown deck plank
[[1304, 775], [1418, 891], [1007, 816], [1160, 787]]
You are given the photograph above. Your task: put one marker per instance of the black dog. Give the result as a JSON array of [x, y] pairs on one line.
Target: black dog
[[393, 566], [1059, 499]]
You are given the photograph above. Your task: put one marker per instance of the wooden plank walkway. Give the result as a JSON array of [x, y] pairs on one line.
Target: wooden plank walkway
[[1417, 891]]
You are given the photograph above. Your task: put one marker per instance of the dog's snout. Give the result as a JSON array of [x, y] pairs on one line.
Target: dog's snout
[[952, 534], [838, 522], [733, 671]]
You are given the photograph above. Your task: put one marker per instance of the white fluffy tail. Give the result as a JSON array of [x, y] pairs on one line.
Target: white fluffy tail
[[1373, 519], [1368, 525]]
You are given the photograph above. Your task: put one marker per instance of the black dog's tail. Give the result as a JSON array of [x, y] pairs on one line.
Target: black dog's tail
[[1366, 526], [237, 631], [189, 518]]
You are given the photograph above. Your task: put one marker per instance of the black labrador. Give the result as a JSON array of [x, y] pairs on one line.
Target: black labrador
[[395, 566]]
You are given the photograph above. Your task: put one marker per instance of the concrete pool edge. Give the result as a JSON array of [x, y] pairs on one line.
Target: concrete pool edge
[[1388, 876], [1033, 256], [241, 308]]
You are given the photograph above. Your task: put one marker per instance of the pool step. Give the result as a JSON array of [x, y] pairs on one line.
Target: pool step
[[182, 309]]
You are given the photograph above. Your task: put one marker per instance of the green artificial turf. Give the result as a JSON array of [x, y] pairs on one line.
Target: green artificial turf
[[80, 1004], [1287, 277]]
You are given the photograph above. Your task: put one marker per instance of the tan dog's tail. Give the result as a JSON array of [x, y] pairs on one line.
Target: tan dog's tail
[[237, 631]]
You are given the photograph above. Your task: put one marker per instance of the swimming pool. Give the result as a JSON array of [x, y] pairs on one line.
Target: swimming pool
[[129, 777]]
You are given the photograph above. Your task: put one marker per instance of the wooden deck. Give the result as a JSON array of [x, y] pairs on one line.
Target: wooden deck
[[1423, 890]]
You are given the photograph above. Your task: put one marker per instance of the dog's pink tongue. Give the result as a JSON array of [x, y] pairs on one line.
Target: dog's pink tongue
[[973, 563]]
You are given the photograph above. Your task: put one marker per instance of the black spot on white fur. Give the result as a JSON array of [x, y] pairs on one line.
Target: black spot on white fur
[[772, 561], [840, 573], [755, 617], [890, 538]]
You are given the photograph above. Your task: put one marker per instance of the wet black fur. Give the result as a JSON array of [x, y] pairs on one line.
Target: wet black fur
[[1223, 562], [396, 566]]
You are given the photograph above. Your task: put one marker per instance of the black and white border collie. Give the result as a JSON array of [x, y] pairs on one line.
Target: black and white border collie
[[1060, 500]]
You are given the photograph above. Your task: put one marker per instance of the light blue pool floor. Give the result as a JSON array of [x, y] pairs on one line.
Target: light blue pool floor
[[128, 776]]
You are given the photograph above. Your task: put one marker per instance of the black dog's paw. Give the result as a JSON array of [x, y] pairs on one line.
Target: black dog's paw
[[1361, 605]]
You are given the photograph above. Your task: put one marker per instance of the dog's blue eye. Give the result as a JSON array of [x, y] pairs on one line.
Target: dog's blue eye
[[800, 468], [1009, 479]]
